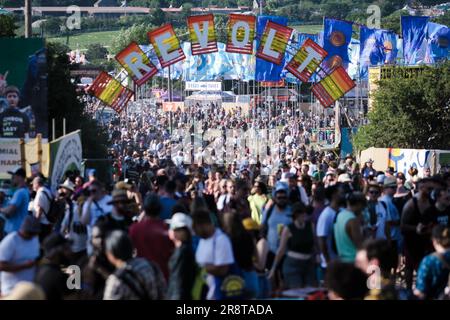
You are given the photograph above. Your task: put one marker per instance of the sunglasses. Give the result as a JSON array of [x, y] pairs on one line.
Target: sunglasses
[[374, 192], [282, 198]]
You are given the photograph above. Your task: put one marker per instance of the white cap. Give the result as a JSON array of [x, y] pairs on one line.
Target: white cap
[[180, 220]]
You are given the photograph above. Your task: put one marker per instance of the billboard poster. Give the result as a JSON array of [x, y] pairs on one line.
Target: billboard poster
[[23, 88]]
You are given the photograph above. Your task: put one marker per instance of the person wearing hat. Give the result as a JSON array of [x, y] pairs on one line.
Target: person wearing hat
[[49, 275], [120, 217], [393, 215], [71, 227], [17, 208], [19, 252], [182, 265], [13, 122], [368, 170]]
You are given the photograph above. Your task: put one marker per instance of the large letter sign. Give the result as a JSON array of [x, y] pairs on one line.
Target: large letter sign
[[202, 34], [306, 60], [333, 87], [110, 91], [166, 44], [136, 63], [240, 33], [273, 43]]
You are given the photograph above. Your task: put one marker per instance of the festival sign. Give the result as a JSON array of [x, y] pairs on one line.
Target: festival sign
[[10, 156], [136, 63], [202, 34], [306, 60], [166, 45], [274, 42], [333, 87], [110, 91], [240, 34]]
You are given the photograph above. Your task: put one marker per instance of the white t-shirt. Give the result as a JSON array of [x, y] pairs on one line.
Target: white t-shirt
[[324, 228], [42, 200], [217, 251], [15, 249]]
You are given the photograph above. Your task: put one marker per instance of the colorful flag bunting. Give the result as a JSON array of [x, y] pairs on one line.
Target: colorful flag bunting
[[306, 60], [333, 87], [241, 33], [274, 42], [166, 44]]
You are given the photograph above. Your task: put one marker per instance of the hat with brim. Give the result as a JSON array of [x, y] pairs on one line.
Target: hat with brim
[[68, 185], [18, 172], [390, 182], [180, 220], [119, 195]]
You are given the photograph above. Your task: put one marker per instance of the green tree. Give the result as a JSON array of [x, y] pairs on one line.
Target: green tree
[[52, 25], [137, 32], [158, 17], [96, 51], [63, 102], [7, 26], [410, 112]]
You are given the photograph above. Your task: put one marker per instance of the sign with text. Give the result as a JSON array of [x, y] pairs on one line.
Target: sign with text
[[167, 45], [241, 33], [10, 156], [203, 86], [202, 34], [306, 60], [274, 42]]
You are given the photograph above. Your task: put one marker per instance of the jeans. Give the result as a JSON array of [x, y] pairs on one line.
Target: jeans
[[298, 273], [251, 284]]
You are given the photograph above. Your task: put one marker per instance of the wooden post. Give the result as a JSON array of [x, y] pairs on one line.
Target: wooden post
[[27, 14]]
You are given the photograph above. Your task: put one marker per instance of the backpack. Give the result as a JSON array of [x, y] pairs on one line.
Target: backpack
[[56, 209], [445, 294]]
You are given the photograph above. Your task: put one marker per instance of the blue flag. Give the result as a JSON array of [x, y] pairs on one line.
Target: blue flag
[[337, 35], [437, 43], [378, 47], [265, 70], [414, 31]]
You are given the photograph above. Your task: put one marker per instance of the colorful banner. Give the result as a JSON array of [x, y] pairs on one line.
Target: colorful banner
[[333, 87], [136, 63], [336, 39], [66, 154], [306, 60], [241, 33], [414, 31], [274, 42], [403, 159], [438, 43], [110, 91], [166, 45], [202, 34]]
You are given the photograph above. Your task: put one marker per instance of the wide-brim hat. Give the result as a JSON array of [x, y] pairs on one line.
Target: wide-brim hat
[[69, 185], [119, 195]]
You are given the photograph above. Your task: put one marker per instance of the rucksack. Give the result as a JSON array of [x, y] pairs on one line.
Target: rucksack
[[56, 209]]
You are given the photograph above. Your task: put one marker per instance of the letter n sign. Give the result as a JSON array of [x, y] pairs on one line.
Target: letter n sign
[[274, 41], [136, 63], [166, 44]]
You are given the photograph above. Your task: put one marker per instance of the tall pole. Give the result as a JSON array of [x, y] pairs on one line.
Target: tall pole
[[28, 32], [169, 87]]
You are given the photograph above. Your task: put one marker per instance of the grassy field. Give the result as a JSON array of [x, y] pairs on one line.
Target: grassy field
[[81, 41], [309, 28]]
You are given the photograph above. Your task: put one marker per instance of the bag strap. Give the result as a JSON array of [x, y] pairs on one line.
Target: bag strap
[[98, 207], [50, 200]]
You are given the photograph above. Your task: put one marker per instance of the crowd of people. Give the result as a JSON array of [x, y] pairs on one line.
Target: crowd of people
[[167, 228]]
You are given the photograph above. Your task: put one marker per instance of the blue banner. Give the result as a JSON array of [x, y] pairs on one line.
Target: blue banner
[[265, 70], [414, 31], [438, 43], [378, 47], [336, 39]]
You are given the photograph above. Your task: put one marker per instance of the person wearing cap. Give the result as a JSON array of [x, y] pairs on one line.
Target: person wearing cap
[[368, 169], [393, 215], [49, 275], [17, 208], [182, 265], [19, 252], [347, 228], [275, 217], [13, 122]]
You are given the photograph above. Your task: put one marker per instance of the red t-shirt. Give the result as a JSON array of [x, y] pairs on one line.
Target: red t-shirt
[[151, 240]]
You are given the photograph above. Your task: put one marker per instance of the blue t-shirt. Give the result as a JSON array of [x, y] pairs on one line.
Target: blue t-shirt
[[277, 220], [432, 276], [166, 207], [20, 200], [392, 215]]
